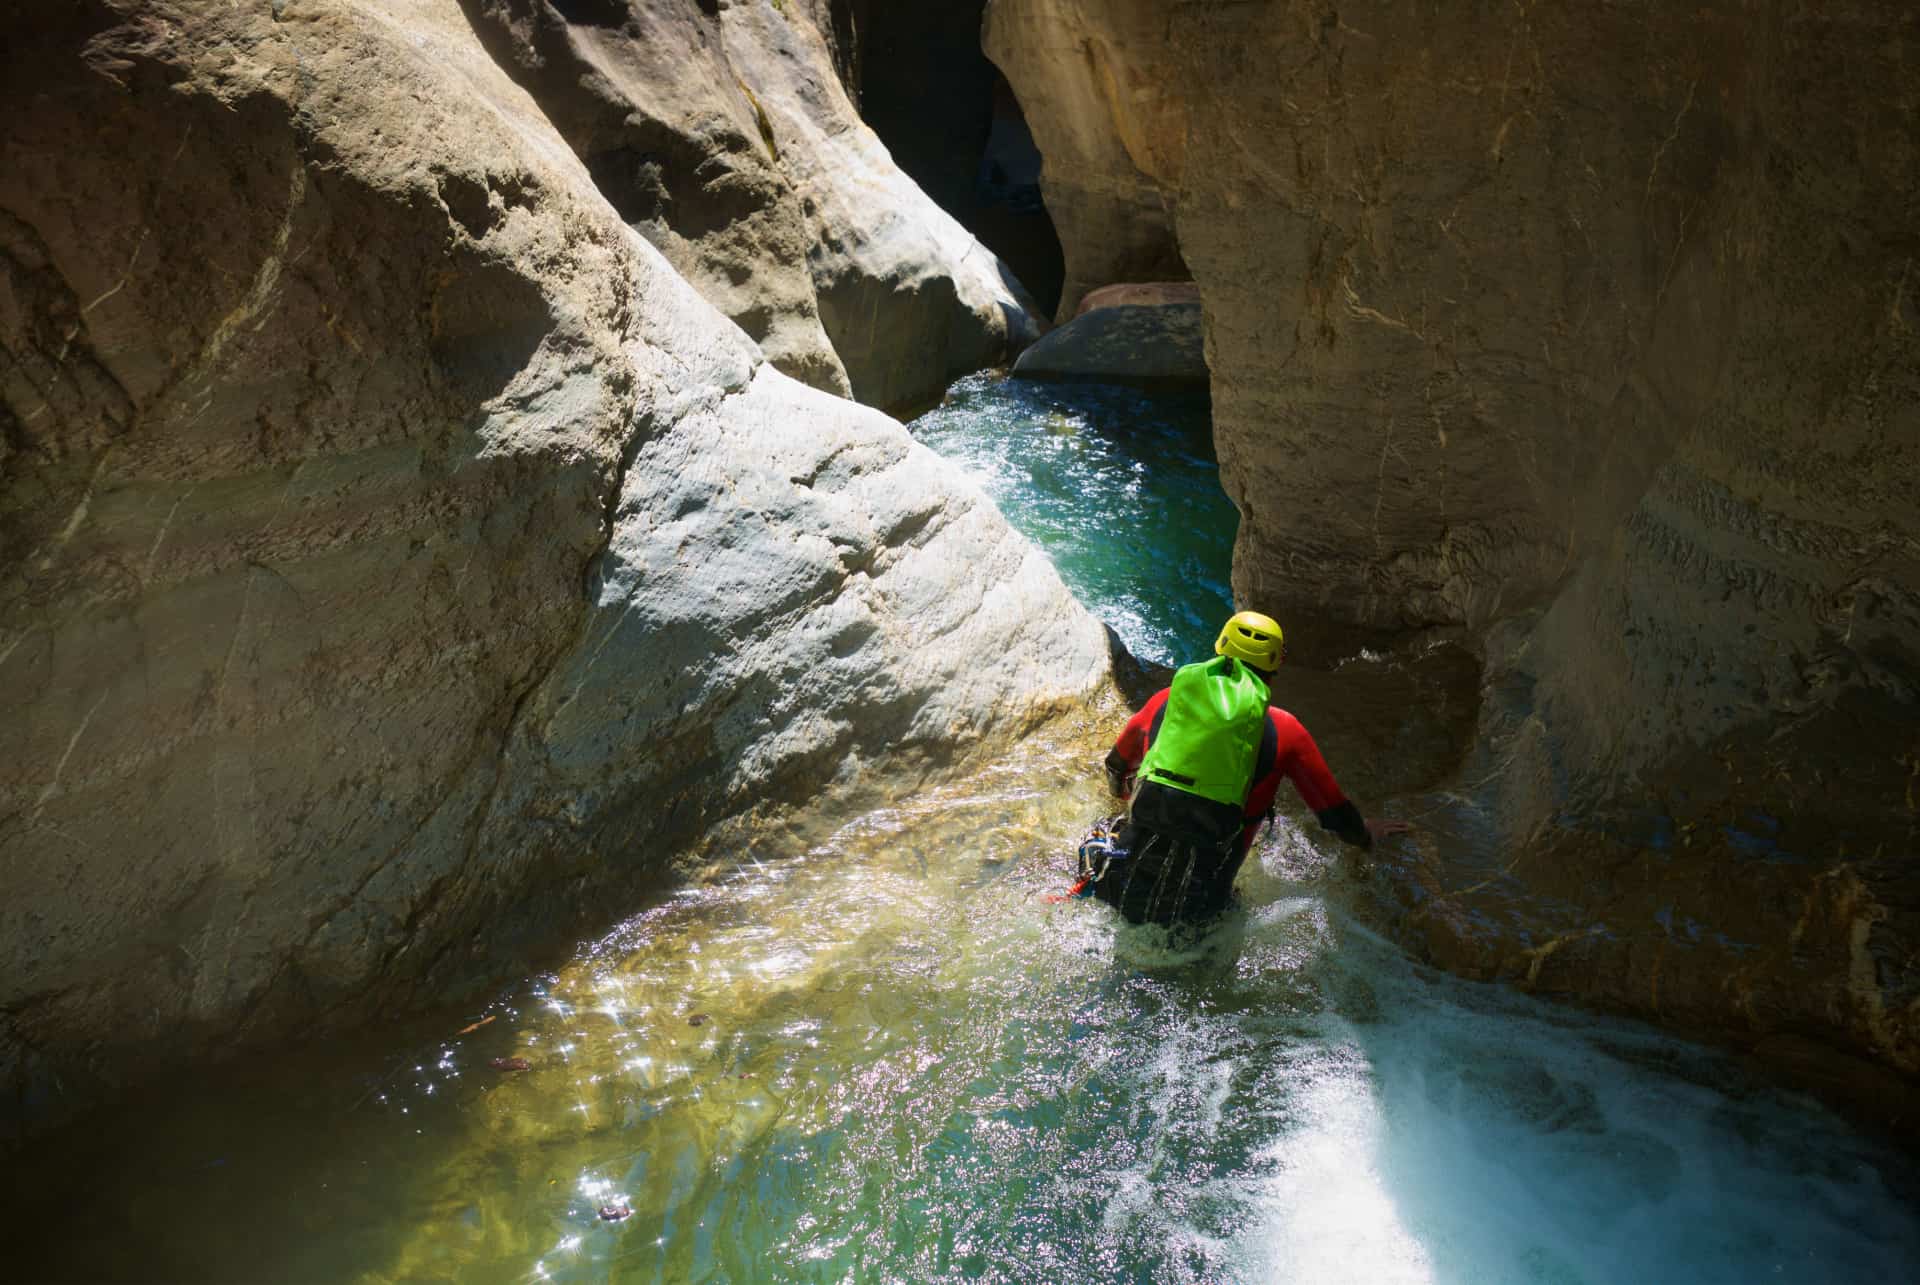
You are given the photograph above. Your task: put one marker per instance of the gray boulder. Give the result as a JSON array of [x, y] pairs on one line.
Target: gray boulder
[[1148, 344], [398, 554]]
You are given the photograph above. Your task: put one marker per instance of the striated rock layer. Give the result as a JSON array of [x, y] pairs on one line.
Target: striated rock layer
[[394, 549], [724, 134], [1588, 333]]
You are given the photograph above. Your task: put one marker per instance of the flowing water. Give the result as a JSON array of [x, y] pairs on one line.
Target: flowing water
[[869, 1049], [1119, 487]]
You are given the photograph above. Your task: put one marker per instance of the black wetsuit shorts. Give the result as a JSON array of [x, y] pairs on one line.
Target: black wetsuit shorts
[[1163, 880]]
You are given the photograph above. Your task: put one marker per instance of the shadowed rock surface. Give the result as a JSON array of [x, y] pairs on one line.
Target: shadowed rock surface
[[724, 135], [398, 553], [1587, 335], [951, 121], [1128, 343], [1106, 100]]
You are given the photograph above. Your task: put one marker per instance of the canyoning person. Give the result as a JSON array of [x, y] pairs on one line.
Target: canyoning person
[[1199, 766]]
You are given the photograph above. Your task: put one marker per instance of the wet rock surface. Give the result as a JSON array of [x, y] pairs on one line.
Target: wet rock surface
[[1587, 336], [399, 555]]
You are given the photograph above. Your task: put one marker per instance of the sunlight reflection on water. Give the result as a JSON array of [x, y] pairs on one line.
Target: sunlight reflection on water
[[944, 1078]]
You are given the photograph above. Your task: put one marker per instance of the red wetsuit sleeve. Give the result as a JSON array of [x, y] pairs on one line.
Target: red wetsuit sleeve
[[1134, 737], [1298, 760]]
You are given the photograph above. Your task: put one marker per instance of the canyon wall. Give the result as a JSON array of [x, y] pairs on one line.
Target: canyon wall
[[397, 556], [1587, 334], [1100, 87], [951, 121], [725, 135]]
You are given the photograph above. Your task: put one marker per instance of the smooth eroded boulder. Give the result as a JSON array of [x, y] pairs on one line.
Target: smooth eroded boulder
[[1142, 294], [399, 556], [1148, 344], [725, 135]]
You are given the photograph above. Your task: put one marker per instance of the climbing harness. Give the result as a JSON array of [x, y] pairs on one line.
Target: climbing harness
[[1098, 851]]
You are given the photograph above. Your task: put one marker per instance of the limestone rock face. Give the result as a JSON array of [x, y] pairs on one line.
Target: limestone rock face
[[724, 134], [1106, 100], [1140, 294], [951, 121], [396, 550], [1589, 333]]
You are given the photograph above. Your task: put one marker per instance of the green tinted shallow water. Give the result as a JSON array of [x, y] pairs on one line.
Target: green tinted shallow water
[[1121, 489], [869, 1050]]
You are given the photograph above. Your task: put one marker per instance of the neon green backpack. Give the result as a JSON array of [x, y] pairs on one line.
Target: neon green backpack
[[1209, 737]]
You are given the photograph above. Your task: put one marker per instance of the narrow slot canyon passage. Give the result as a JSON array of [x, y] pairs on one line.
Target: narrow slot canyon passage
[[954, 125], [568, 570], [867, 1047]]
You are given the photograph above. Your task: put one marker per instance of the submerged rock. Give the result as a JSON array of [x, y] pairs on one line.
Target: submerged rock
[[1151, 345], [398, 552]]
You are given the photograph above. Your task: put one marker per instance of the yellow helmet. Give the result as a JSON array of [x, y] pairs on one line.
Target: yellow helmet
[[1254, 638]]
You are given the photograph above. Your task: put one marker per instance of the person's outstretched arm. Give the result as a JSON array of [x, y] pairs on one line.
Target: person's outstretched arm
[[1303, 764]]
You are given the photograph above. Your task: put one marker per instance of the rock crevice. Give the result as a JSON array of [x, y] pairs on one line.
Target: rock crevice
[[728, 140]]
